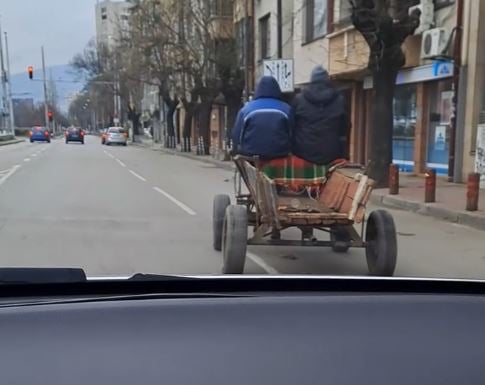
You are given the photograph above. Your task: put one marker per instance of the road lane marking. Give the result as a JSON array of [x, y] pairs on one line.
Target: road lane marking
[[109, 154], [27, 160], [120, 163], [183, 206], [34, 155], [262, 264], [137, 176], [12, 171]]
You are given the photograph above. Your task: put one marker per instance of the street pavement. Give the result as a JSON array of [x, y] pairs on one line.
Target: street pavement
[[115, 211]]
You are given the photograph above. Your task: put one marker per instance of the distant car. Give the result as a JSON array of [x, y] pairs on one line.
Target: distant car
[[74, 134], [39, 134], [116, 135]]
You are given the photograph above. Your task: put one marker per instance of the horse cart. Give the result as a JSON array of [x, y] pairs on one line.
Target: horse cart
[[337, 208]]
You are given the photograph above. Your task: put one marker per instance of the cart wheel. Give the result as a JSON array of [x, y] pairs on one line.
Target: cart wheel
[[235, 239], [381, 248], [219, 211], [341, 240]]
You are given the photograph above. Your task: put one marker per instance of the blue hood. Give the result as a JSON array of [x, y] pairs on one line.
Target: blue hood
[[268, 87]]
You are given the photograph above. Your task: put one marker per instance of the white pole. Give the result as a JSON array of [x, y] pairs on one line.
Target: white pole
[[4, 81], [12, 117], [46, 107]]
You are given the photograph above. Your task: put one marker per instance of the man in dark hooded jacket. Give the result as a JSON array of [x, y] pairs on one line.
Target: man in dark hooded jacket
[[264, 125], [321, 122]]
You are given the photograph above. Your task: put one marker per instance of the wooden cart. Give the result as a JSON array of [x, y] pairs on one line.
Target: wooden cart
[[337, 210]]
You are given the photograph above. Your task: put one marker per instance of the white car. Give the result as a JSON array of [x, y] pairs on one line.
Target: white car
[[116, 135]]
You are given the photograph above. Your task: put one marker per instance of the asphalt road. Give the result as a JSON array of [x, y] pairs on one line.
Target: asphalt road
[[115, 211]]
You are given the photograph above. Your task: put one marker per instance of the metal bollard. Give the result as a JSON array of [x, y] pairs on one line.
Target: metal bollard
[[393, 179], [472, 193], [430, 186]]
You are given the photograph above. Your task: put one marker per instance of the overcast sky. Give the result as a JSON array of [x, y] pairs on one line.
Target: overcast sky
[[63, 27]]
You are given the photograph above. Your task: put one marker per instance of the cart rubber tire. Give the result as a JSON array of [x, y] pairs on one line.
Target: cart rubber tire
[[235, 239], [221, 202], [341, 241], [381, 244]]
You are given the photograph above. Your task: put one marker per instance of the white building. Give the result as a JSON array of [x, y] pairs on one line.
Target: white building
[[273, 31], [111, 18]]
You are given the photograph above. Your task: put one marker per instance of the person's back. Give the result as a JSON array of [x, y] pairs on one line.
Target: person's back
[[263, 126], [320, 121]]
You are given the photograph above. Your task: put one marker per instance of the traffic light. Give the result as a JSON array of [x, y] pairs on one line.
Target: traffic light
[[30, 71], [50, 115]]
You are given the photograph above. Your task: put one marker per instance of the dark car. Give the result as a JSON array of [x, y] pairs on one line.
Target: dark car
[[74, 134], [39, 134]]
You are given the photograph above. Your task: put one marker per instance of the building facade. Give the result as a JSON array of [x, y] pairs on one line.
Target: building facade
[[111, 18]]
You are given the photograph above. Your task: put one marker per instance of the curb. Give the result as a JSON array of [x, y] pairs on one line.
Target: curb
[[14, 141], [431, 210], [204, 159]]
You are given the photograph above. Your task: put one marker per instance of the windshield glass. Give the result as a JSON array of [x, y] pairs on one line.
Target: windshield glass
[[243, 137]]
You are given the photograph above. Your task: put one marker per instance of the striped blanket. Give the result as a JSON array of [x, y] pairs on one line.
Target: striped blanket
[[293, 174]]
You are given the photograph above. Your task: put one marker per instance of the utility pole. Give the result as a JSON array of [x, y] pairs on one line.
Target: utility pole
[[4, 83], [46, 106], [247, 47], [280, 28], [457, 63], [10, 101]]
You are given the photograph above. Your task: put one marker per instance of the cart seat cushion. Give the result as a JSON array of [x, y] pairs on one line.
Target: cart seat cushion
[[294, 174]]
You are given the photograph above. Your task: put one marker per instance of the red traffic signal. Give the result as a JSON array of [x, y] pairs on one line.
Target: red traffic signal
[[30, 71], [50, 115]]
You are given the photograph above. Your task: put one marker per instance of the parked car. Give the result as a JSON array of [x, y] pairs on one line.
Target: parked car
[[39, 134], [116, 135], [74, 134]]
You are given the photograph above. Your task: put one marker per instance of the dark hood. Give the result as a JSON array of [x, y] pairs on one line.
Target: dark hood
[[268, 87], [320, 93]]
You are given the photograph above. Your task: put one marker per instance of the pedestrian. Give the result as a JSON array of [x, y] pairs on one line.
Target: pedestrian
[[264, 125], [321, 121]]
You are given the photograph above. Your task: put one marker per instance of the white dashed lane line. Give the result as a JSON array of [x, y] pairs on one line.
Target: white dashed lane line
[[183, 206], [4, 175], [27, 160], [120, 163], [137, 176]]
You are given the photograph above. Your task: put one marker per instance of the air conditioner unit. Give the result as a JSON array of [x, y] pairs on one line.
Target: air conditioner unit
[[426, 20], [433, 43]]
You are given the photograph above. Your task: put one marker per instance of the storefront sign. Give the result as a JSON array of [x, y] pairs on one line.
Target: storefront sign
[[480, 154], [435, 71], [440, 138]]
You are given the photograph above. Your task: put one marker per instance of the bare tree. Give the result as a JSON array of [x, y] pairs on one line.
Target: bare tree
[[385, 24]]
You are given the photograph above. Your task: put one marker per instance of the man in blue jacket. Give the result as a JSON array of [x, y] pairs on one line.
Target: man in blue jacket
[[264, 125]]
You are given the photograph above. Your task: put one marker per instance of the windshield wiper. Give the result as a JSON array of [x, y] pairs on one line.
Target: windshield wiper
[[27, 275]]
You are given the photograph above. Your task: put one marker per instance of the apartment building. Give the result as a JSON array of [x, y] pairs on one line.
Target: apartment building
[[111, 18]]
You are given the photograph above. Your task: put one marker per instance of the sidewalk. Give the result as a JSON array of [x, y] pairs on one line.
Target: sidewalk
[[449, 206], [10, 141], [450, 197], [209, 159]]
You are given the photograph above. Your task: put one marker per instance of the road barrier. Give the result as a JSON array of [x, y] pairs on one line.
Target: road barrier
[[430, 186], [393, 179], [473, 191]]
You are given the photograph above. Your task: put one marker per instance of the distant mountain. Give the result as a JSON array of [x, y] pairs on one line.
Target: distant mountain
[[67, 83]]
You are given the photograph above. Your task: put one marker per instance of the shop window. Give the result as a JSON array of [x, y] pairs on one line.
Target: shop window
[[405, 115], [441, 110]]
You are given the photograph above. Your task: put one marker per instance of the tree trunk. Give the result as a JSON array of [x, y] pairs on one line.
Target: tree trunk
[[187, 130], [382, 131], [204, 120], [233, 106], [169, 115]]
